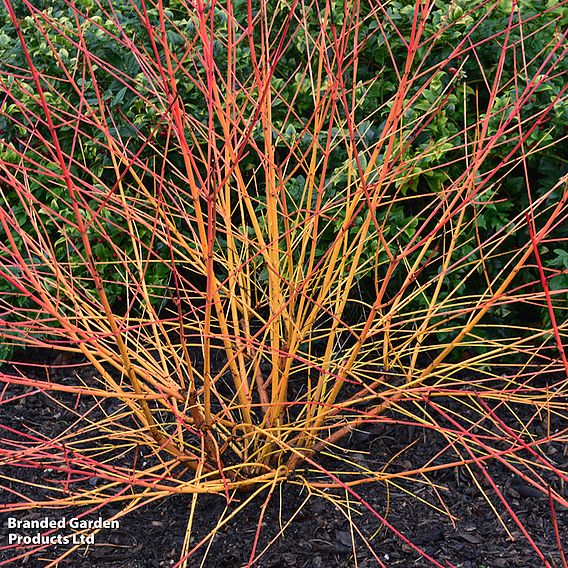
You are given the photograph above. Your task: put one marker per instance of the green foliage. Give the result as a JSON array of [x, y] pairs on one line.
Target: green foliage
[[452, 98]]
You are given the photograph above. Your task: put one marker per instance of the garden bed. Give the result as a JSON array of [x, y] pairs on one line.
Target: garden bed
[[319, 534]]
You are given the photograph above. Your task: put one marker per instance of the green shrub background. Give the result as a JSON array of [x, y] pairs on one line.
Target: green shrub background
[[138, 125]]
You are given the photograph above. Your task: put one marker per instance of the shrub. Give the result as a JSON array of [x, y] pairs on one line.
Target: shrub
[[267, 225]]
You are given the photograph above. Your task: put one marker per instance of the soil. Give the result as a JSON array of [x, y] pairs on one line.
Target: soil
[[311, 530]]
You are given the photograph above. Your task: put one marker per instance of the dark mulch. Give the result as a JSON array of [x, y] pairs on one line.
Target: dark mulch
[[319, 535]]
